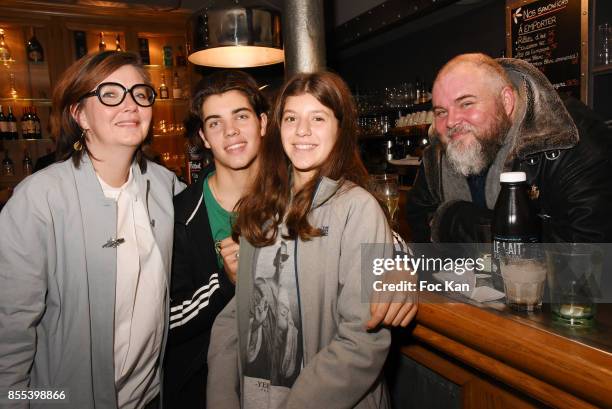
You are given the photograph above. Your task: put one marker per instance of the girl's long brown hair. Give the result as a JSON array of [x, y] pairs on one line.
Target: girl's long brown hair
[[262, 209]]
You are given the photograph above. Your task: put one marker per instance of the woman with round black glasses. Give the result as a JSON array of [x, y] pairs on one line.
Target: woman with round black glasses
[[85, 248]]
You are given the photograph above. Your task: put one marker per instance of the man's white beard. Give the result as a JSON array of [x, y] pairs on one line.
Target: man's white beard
[[466, 160], [482, 148]]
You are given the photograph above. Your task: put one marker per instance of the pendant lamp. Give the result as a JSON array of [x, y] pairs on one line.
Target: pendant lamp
[[232, 35]]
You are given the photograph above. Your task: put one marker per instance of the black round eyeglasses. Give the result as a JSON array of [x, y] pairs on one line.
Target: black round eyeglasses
[[112, 94]]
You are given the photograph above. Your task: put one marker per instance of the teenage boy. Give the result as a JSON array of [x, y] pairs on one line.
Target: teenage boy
[[231, 112]]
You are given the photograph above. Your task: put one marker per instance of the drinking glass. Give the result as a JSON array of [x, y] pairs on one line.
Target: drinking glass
[[574, 279], [524, 281], [387, 187]]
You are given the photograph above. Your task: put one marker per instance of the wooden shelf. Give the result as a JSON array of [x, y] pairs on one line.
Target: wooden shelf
[[28, 140], [602, 69], [169, 135], [174, 101], [34, 101]]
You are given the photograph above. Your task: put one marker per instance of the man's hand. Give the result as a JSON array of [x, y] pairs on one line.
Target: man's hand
[[229, 253], [393, 308]]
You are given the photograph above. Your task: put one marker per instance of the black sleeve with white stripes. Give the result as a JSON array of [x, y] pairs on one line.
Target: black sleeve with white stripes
[[194, 305]]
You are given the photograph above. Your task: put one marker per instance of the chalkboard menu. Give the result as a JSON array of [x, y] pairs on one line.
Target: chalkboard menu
[[546, 33]]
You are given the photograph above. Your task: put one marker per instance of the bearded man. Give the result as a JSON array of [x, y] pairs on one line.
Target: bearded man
[[493, 116]]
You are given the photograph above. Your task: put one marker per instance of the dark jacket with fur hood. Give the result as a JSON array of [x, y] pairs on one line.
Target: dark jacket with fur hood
[[562, 146]]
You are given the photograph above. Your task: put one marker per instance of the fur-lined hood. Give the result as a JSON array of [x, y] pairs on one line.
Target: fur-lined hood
[[546, 123]]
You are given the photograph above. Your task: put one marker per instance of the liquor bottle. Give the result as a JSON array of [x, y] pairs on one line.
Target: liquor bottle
[[143, 50], [424, 96], [8, 167], [3, 125], [25, 126], [27, 163], [12, 124], [5, 52], [176, 86], [163, 88], [31, 122], [101, 43], [12, 86], [181, 61], [37, 126], [194, 163], [419, 90], [515, 225], [80, 44], [118, 43], [34, 49], [167, 56]]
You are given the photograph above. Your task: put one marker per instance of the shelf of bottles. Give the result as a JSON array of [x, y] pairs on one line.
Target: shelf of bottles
[[25, 104], [393, 125], [25, 89], [402, 106], [165, 59]]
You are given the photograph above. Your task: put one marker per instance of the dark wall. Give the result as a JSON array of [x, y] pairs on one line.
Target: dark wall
[[421, 54]]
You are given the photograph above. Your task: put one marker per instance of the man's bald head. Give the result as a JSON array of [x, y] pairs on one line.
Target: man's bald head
[[486, 69]]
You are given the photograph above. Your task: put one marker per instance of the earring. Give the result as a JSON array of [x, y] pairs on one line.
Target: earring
[[78, 146]]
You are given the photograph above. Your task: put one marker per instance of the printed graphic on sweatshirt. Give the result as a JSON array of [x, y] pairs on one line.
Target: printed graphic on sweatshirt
[[274, 342]]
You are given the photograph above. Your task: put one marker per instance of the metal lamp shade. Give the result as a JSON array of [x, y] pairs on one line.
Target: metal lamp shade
[[236, 37]]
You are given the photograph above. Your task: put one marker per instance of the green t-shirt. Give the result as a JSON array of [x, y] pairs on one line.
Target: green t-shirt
[[220, 219]]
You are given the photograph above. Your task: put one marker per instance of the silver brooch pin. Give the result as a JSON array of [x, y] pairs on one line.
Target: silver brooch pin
[[113, 243]]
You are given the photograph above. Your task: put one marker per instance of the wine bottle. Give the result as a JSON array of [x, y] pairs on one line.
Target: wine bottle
[[181, 61], [143, 50], [163, 88], [80, 44], [34, 49], [25, 129], [5, 52], [3, 125], [12, 124], [8, 168], [27, 163], [118, 43], [31, 122], [101, 43], [176, 86], [37, 127], [168, 56]]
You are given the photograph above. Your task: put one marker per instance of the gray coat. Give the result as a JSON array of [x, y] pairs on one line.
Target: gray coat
[[342, 361], [57, 282]]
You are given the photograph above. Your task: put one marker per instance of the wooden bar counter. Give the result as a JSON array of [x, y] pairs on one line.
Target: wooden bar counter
[[505, 359], [499, 358]]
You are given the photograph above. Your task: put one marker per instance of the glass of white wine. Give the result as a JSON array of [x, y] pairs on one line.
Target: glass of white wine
[[387, 187]]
